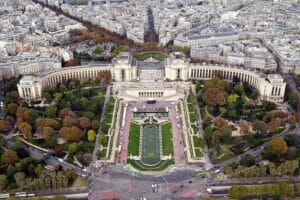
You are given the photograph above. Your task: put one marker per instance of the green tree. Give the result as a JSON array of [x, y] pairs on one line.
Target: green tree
[[71, 174], [9, 157], [38, 170], [293, 100], [10, 173], [98, 50], [51, 111], [84, 122], [232, 98], [91, 135], [19, 178], [25, 129], [57, 96], [259, 126], [247, 161], [48, 132], [277, 146], [72, 148], [3, 182]]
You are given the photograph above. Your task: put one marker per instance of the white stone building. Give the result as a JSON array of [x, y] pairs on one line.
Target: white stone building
[[177, 69]]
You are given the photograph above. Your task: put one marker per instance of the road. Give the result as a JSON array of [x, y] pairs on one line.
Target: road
[[114, 182], [290, 80], [151, 30], [1, 96]]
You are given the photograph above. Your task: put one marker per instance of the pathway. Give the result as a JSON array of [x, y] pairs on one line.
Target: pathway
[[97, 145], [177, 136], [122, 156]]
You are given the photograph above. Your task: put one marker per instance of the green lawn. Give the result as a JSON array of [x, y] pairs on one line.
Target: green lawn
[[195, 128], [157, 56], [103, 141], [108, 114], [193, 117], [167, 139], [198, 153], [161, 166], [102, 153], [198, 142], [134, 139]]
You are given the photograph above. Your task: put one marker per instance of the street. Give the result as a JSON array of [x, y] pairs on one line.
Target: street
[[1, 101]]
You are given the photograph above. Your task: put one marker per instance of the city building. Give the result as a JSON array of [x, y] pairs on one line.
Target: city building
[[177, 71]]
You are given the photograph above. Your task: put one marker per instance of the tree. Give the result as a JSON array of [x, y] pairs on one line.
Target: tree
[[293, 100], [70, 121], [215, 97], [73, 134], [9, 157], [89, 115], [5, 126], [19, 178], [38, 170], [51, 111], [98, 50], [3, 182], [84, 122], [232, 98], [245, 127], [239, 89], [25, 129], [274, 125], [91, 135], [71, 174], [66, 112], [23, 115], [220, 122], [72, 148], [2, 141], [95, 125], [268, 106], [214, 83], [292, 120], [277, 146], [86, 159], [48, 122], [247, 161], [48, 132], [12, 108], [259, 126]]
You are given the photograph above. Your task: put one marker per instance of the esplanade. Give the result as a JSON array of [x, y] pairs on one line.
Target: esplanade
[[178, 70]]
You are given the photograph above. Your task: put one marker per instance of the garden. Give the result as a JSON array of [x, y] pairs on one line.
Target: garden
[[156, 56], [235, 119], [65, 122]]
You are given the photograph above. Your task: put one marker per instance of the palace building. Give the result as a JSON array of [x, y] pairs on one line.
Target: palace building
[[168, 80]]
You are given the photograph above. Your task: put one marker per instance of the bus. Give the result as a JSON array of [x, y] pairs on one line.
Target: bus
[[4, 195]]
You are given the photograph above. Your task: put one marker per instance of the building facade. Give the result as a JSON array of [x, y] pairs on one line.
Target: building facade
[[177, 71]]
